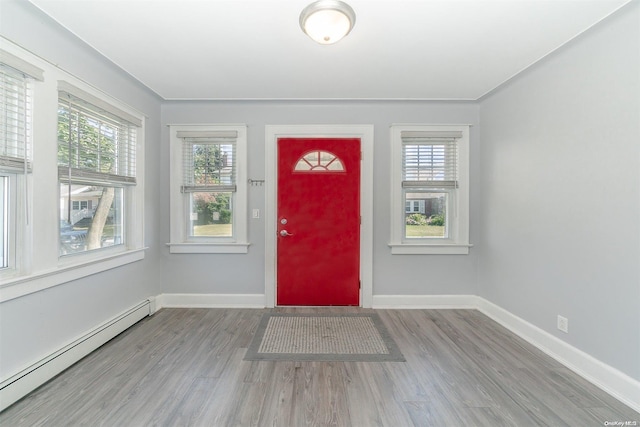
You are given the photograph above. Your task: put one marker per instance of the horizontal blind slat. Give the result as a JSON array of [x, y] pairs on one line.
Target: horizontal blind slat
[[204, 134], [429, 159], [429, 184], [75, 175], [222, 188], [95, 141], [15, 118], [209, 161]]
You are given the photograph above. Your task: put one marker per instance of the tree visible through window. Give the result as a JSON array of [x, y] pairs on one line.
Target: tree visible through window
[[208, 190], [96, 158], [210, 184]]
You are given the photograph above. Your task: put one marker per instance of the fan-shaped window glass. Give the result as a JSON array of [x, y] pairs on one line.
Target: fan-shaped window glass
[[319, 161]]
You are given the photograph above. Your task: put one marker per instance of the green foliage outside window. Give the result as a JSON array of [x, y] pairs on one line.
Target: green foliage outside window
[[213, 208]]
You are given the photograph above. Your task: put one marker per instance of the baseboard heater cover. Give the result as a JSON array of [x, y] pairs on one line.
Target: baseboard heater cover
[[27, 380]]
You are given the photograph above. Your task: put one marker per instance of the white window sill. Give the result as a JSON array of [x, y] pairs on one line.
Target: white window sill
[[429, 249], [208, 248], [24, 285]]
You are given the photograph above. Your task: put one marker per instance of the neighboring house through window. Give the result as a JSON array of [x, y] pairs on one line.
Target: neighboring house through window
[[430, 180], [208, 189]]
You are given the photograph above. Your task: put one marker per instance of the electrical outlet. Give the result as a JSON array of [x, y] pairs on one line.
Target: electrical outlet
[[563, 324]]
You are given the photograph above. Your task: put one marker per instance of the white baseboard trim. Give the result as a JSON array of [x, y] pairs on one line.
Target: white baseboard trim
[[210, 301], [425, 301], [22, 383], [616, 383], [609, 379]]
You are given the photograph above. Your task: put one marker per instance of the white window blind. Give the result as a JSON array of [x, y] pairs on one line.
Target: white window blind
[[96, 144], [429, 159], [209, 161], [15, 119]]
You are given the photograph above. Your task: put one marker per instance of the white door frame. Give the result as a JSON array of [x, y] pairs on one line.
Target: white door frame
[[365, 133]]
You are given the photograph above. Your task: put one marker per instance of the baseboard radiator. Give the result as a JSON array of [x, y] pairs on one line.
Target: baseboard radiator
[[19, 385]]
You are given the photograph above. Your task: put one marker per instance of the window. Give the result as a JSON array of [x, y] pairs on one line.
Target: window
[[319, 161], [430, 189], [16, 92], [11, 231], [96, 170], [414, 206], [209, 186], [46, 229], [4, 222]]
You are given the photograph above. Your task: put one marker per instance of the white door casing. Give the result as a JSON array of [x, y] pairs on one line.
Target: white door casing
[[365, 133]]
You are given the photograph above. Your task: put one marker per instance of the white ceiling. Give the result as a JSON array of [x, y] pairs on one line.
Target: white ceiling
[[254, 49]]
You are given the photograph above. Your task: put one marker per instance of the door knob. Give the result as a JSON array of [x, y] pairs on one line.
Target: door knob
[[285, 233]]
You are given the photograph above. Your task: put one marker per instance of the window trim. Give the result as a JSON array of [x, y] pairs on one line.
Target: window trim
[[8, 205], [458, 241], [130, 180], [180, 242], [18, 169], [38, 265]]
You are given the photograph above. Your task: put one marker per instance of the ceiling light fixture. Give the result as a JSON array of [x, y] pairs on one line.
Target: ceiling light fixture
[[327, 21]]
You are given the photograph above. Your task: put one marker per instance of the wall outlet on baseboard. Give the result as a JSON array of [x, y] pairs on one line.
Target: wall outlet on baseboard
[[563, 324]]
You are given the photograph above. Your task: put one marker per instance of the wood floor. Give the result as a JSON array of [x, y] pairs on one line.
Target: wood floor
[[184, 367]]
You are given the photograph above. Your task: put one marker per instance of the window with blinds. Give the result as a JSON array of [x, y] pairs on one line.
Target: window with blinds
[[429, 159], [209, 181], [96, 143], [15, 119], [208, 191], [429, 189], [17, 78], [209, 161], [96, 166]]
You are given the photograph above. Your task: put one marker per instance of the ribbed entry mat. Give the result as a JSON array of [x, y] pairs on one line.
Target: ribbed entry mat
[[358, 337]]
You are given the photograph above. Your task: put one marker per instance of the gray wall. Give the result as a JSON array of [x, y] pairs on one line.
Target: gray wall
[[392, 274], [34, 325], [560, 207]]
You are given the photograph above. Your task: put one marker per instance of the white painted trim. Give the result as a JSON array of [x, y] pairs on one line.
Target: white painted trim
[[612, 381], [425, 301], [428, 249], [609, 379], [365, 133], [208, 248], [23, 382], [38, 265], [458, 217], [179, 241], [210, 301], [43, 280], [616, 383]]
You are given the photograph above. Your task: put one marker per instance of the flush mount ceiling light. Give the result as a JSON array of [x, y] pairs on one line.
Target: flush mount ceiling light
[[327, 21]]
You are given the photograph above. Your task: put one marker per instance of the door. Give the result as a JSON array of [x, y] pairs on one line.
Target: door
[[318, 241]]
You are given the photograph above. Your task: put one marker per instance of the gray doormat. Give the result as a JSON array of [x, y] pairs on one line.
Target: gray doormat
[[349, 337]]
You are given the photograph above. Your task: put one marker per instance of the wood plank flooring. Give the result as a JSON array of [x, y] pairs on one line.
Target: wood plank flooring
[[184, 367]]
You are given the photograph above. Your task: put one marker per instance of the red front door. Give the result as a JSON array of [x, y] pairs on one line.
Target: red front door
[[318, 254]]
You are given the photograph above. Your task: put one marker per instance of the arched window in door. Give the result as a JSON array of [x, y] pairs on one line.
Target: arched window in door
[[319, 161]]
